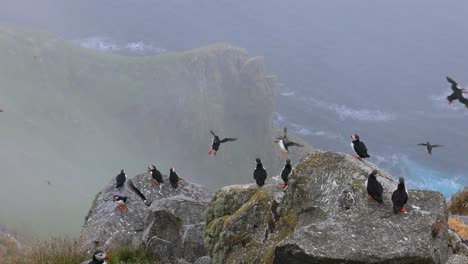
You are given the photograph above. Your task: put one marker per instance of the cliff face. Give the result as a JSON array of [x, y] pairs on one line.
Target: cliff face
[[67, 106], [324, 216]]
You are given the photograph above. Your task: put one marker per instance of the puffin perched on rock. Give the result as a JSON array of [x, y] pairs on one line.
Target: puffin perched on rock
[[400, 197], [120, 201], [155, 174], [429, 147], [284, 143], [173, 178], [260, 173], [99, 257], [374, 188], [120, 179], [285, 172], [216, 142], [457, 93], [359, 147]]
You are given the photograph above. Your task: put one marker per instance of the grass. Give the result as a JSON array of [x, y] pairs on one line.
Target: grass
[[459, 203], [65, 250], [459, 227]]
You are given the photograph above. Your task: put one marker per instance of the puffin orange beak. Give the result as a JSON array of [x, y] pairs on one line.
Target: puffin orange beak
[[107, 257], [463, 92]]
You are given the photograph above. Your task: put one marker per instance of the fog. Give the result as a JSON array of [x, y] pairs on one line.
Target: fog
[[371, 67]]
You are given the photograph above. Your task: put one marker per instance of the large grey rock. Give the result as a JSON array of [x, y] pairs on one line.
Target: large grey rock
[[325, 217], [203, 260], [457, 259], [106, 226], [179, 220]]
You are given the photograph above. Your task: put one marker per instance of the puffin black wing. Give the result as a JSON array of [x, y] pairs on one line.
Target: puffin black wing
[[436, 146], [120, 180], [212, 133], [290, 144], [463, 100], [422, 144], [227, 139], [454, 84], [452, 97]]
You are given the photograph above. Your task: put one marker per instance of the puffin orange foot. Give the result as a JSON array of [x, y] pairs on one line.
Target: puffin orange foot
[[403, 210]]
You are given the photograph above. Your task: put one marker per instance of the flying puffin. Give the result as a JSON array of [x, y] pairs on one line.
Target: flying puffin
[[374, 188], [99, 257], [216, 142], [457, 93], [400, 197], [429, 147], [285, 172], [155, 174], [359, 147], [173, 178], [120, 179], [260, 173], [120, 201], [284, 143]]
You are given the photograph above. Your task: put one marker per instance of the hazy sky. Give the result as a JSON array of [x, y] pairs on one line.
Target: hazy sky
[[373, 67]]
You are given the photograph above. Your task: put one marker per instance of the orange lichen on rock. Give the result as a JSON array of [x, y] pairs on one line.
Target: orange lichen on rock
[[459, 227]]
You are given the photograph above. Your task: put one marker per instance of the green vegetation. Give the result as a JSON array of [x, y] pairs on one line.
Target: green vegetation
[[65, 250]]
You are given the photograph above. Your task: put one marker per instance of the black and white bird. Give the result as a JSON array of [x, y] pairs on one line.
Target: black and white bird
[[120, 201], [216, 142], [359, 147], [173, 178], [155, 174], [284, 143], [457, 93], [120, 179], [260, 173], [285, 172], [99, 257], [374, 188], [400, 197], [429, 147]]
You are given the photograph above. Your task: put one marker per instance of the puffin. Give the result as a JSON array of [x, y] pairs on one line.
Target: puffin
[[173, 178], [429, 147], [155, 174], [120, 179], [260, 173], [359, 147], [216, 142], [284, 143], [285, 173], [99, 257], [457, 93], [400, 197], [374, 188], [120, 201]]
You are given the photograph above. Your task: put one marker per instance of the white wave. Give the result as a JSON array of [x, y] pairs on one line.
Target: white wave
[[278, 119], [109, 45], [345, 112], [287, 93]]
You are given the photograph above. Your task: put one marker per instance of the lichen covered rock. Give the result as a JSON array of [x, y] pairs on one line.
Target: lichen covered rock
[[325, 217]]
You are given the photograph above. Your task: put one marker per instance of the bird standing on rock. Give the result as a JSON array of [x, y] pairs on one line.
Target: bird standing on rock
[[285, 173], [400, 197], [99, 257], [120, 201], [359, 147], [155, 174], [173, 178], [260, 173], [120, 179], [374, 188], [216, 142]]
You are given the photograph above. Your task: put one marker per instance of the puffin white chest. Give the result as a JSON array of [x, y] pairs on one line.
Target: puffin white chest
[[282, 146]]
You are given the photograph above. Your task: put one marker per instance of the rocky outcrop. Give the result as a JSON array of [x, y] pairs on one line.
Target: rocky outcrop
[[170, 224], [324, 216]]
